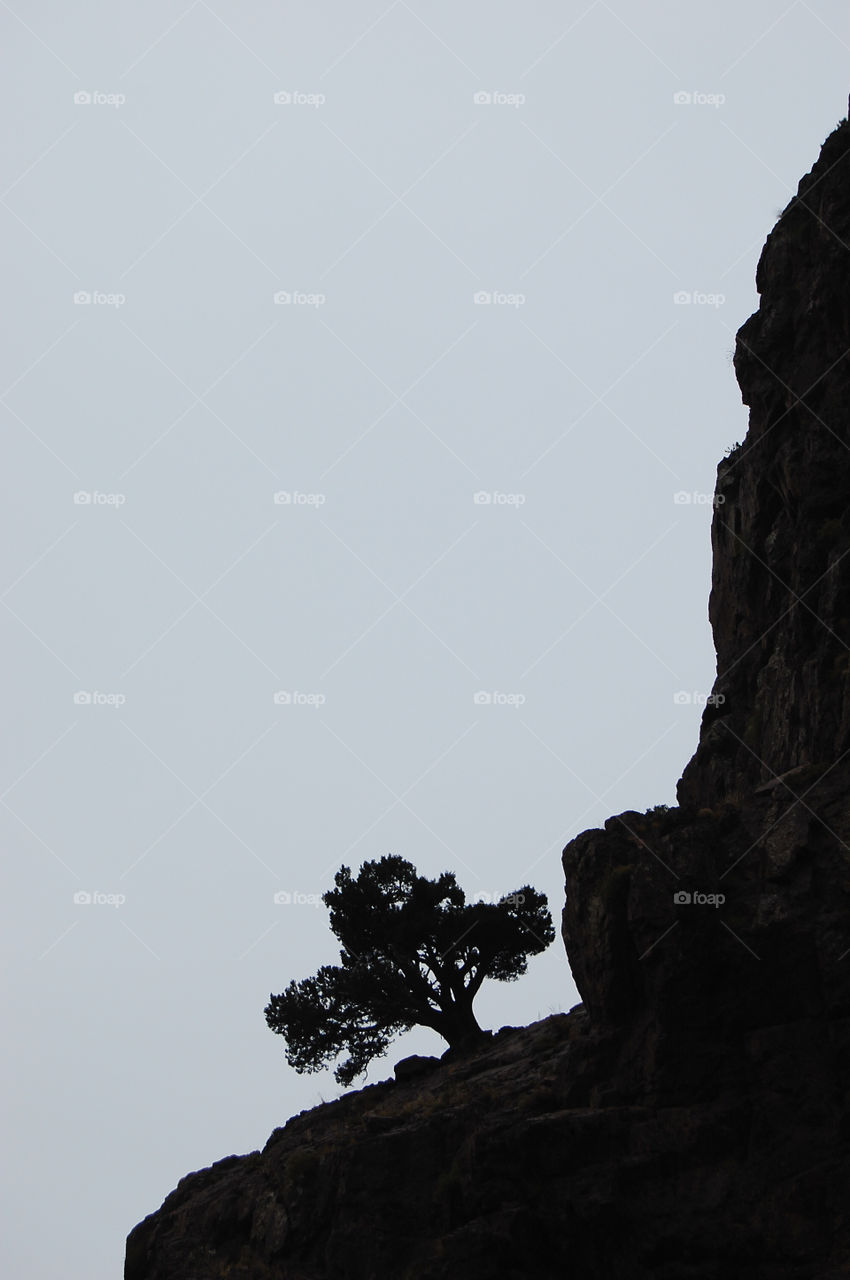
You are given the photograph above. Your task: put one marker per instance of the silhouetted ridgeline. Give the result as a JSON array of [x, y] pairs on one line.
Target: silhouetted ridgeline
[[691, 1118]]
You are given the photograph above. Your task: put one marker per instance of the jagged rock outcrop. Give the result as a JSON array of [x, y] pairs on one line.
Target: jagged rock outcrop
[[780, 598], [692, 1117]]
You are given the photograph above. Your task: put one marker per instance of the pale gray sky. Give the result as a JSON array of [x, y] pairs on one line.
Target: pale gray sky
[[381, 197]]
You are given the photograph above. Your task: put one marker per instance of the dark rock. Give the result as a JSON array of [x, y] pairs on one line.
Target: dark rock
[[415, 1065], [691, 1117], [780, 596]]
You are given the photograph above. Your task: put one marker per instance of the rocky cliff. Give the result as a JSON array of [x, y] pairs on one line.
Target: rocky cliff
[[692, 1117]]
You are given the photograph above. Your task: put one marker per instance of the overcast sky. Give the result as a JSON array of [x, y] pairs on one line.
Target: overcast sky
[[382, 261]]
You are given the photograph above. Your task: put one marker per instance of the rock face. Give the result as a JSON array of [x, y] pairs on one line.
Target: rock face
[[692, 1117], [780, 598]]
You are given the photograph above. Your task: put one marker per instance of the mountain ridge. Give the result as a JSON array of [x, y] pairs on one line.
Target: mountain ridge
[[692, 1114]]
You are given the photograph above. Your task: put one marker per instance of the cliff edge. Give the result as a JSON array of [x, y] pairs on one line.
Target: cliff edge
[[692, 1116]]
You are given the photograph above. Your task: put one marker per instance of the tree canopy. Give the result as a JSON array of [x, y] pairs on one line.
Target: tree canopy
[[414, 952]]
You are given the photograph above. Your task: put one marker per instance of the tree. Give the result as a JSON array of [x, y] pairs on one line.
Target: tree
[[414, 952]]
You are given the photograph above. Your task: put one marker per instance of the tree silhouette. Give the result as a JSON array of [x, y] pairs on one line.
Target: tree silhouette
[[414, 952]]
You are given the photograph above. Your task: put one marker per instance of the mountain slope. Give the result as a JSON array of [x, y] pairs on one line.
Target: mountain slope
[[692, 1116]]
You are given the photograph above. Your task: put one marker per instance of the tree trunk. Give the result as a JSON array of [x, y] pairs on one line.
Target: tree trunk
[[459, 1026]]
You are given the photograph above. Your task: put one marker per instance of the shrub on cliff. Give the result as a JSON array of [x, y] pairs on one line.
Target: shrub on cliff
[[414, 952]]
